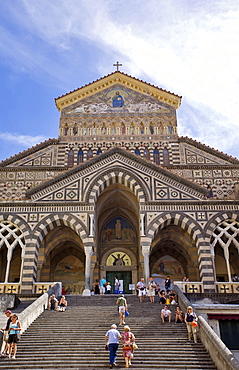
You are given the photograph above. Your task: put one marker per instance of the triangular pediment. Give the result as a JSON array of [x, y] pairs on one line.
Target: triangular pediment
[[112, 85], [156, 183]]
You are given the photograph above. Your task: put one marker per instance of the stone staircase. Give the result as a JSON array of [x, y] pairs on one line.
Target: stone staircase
[[75, 339]]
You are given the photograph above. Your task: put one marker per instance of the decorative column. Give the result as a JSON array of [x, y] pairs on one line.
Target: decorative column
[[88, 254], [9, 258], [91, 225], [22, 262], [145, 253], [213, 263], [142, 224], [226, 255]]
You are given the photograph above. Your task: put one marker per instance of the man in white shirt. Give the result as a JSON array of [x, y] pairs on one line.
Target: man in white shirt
[[141, 286], [112, 338], [166, 314]]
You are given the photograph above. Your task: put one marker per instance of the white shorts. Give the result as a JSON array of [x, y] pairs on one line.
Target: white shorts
[[121, 308], [102, 289], [142, 292]]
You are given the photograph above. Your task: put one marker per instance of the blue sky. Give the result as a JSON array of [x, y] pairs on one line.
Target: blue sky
[[189, 47]]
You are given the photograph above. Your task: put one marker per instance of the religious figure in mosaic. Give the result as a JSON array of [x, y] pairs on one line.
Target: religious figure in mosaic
[[118, 261], [117, 100]]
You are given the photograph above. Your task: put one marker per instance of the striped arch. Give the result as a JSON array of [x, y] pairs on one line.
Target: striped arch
[[19, 222], [217, 219], [195, 231], [116, 176], [33, 244]]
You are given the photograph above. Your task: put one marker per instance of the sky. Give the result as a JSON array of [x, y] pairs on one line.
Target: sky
[[188, 47]]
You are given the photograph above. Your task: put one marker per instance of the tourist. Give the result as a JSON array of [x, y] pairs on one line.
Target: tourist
[[14, 330], [191, 320], [112, 340], [108, 288], [178, 315], [102, 285], [122, 307], [96, 286], [127, 338], [166, 314], [5, 352], [172, 297], [141, 286], [185, 279], [151, 290], [62, 303], [235, 278], [162, 297], [52, 303], [167, 283], [117, 285]]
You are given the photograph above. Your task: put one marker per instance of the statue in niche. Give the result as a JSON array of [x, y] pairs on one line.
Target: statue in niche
[[123, 129], [66, 129], [94, 129], [113, 129], [103, 129], [117, 100], [84, 129], [132, 129], [118, 261], [75, 130], [170, 129], [118, 231], [151, 129], [141, 128]]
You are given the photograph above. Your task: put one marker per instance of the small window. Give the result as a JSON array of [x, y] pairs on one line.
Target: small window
[[156, 156], [70, 161], [80, 156], [165, 157]]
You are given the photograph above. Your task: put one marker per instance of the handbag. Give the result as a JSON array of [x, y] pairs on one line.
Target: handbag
[[194, 324], [134, 346], [106, 347], [126, 313]]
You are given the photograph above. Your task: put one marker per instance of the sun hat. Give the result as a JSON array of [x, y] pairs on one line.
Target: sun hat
[[8, 311]]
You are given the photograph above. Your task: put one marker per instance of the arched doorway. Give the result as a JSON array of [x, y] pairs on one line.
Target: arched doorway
[[174, 253], [62, 258], [117, 235]]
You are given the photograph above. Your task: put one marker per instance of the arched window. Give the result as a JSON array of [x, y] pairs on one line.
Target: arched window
[[165, 157], [89, 154], [70, 160], [80, 156], [99, 151], [137, 151], [146, 154], [156, 156]]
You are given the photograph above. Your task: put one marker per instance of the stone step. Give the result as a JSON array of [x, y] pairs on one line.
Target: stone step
[[58, 340]]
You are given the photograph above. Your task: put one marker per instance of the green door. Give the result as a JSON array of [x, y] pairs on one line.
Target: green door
[[126, 276]]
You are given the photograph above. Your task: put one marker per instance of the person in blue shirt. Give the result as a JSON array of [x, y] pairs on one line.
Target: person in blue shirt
[[112, 338], [102, 285]]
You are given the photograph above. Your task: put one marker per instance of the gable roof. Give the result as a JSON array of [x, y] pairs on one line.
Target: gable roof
[[29, 151], [117, 78], [71, 174], [209, 150]]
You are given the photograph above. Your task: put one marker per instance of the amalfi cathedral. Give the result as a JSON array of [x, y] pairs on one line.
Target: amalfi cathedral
[[118, 193]]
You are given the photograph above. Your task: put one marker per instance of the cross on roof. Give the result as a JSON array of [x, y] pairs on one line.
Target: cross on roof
[[117, 64]]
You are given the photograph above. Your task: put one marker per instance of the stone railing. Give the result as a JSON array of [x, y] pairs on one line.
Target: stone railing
[[227, 287], [220, 354], [10, 288], [34, 310], [190, 287]]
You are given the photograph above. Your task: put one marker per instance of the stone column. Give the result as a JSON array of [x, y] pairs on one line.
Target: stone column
[[145, 253], [9, 258], [88, 254], [213, 263], [142, 224], [91, 225], [226, 255]]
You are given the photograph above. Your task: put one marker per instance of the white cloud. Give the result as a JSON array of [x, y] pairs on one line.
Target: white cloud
[[190, 48], [24, 140]]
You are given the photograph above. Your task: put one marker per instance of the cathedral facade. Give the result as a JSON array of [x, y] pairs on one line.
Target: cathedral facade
[[119, 193]]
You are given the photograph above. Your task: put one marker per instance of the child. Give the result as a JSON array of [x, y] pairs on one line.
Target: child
[[108, 288]]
